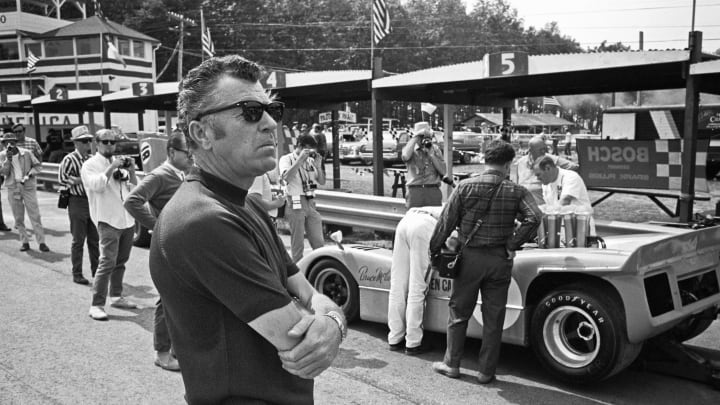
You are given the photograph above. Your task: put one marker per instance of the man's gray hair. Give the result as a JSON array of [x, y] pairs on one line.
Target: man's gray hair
[[197, 88]]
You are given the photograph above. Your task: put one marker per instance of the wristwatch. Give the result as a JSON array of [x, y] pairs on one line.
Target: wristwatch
[[335, 316]]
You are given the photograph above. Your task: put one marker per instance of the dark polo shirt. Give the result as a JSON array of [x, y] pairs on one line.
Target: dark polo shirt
[[218, 264]]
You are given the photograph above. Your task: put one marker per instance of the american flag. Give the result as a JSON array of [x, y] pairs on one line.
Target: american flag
[[207, 45], [32, 60], [381, 20], [550, 101], [208, 48]]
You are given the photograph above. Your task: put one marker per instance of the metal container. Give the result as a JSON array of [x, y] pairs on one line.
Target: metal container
[[582, 226], [553, 226], [541, 235], [569, 225]]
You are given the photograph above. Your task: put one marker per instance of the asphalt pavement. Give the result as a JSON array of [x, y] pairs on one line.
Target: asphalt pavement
[[51, 352]]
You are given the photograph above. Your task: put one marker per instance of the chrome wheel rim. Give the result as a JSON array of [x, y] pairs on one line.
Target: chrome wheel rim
[[571, 337], [333, 283]]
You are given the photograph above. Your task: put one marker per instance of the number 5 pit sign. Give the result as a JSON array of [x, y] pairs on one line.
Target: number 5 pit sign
[[507, 64]]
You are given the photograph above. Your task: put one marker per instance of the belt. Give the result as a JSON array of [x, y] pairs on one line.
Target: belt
[[423, 185]]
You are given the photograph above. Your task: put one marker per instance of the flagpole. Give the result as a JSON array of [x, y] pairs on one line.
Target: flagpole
[[372, 39]]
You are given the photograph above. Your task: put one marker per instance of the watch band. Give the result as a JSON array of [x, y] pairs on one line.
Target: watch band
[[339, 320]]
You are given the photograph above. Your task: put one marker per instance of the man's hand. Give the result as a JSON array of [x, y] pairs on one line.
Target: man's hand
[[511, 254], [317, 349]]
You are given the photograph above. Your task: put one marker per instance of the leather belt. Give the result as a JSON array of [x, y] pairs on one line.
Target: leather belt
[[423, 185]]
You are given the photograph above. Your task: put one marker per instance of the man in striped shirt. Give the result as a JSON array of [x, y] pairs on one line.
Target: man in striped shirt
[[487, 260], [81, 227]]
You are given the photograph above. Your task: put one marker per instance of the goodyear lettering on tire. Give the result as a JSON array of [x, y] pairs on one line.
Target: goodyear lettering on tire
[[577, 301]]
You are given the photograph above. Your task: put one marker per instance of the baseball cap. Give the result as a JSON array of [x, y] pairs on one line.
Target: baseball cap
[[81, 132]]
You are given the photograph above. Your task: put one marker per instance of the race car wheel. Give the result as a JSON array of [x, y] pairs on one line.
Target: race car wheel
[[366, 161], [331, 278], [693, 326], [141, 237], [578, 334]]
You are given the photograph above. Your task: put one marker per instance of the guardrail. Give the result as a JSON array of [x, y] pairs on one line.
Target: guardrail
[[335, 207]]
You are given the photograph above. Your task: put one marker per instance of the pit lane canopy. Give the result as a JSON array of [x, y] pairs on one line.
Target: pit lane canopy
[[163, 98], [562, 74], [519, 120], [708, 74], [17, 103], [320, 89], [77, 101]]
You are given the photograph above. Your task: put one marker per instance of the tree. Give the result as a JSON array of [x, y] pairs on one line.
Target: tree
[[616, 47]]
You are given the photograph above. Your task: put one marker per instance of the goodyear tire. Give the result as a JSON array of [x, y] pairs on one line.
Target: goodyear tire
[[333, 279], [578, 334], [141, 236]]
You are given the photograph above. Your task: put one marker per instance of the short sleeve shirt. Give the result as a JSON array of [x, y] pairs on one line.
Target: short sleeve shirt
[[568, 183], [218, 264]]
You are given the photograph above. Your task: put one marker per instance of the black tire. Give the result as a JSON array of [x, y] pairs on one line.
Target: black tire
[[141, 237], [366, 161], [693, 326], [578, 334], [333, 279]]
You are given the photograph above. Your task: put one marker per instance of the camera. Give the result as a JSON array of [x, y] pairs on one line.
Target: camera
[[12, 150], [126, 162], [120, 175], [309, 188], [427, 142], [312, 154]]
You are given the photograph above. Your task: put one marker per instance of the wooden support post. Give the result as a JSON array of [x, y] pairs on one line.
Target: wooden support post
[[335, 149], [448, 147], [689, 141], [377, 118]]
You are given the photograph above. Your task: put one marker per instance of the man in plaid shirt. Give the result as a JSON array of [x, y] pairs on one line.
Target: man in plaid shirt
[[27, 143], [487, 260]]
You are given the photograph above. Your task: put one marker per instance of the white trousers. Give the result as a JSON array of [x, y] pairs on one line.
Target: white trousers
[[410, 260]]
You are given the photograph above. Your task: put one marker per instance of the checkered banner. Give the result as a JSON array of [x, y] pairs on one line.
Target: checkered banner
[[638, 164]]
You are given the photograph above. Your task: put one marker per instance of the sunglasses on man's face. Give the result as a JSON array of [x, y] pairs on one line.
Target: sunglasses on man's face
[[107, 142], [252, 111], [19, 131], [83, 141]]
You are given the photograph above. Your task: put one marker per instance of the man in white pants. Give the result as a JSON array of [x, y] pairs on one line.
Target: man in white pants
[[410, 261]]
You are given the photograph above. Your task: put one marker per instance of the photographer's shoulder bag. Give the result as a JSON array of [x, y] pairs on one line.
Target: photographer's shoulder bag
[[448, 263], [64, 198]]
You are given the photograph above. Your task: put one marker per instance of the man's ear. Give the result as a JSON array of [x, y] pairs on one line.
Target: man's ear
[[199, 133]]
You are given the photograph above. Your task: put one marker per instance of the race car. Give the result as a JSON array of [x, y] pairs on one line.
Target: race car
[[586, 312]]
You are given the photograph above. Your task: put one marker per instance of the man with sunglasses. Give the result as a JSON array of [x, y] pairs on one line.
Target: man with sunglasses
[[108, 180], [145, 203], [81, 227], [27, 143], [224, 276], [19, 167]]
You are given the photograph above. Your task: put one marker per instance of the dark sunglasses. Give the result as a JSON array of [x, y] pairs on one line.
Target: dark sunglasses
[[19, 131], [84, 140], [252, 111], [187, 152], [107, 142]]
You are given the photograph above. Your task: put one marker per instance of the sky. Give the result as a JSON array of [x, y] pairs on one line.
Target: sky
[[665, 23]]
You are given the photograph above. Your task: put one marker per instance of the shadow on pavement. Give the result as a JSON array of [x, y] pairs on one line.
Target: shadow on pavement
[[143, 317], [50, 257], [139, 291]]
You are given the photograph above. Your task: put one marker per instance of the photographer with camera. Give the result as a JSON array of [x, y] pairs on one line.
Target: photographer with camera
[[19, 167], [108, 180], [301, 171], [425, 168]]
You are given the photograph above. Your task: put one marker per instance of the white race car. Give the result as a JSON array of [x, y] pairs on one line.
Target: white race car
[[585, 311]]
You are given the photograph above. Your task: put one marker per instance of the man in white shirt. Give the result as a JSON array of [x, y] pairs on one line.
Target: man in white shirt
[[525, 175], [560, 186], [301, 171], [108, 180]]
